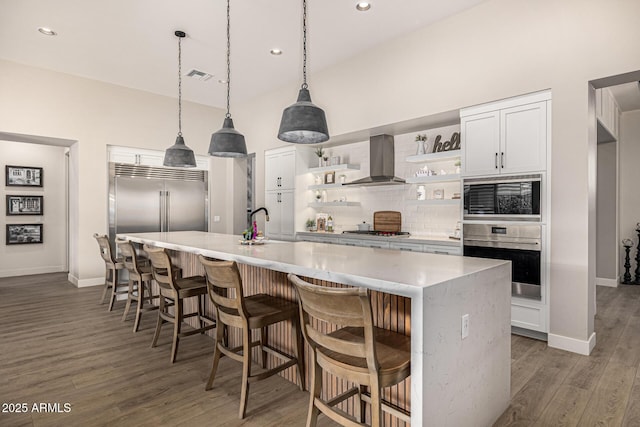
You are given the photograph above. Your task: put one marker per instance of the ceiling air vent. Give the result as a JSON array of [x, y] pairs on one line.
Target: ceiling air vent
[[199, 75]]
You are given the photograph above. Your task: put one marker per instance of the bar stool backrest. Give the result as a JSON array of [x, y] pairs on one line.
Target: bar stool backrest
[[345, 307], [105, 248], [129, 256], [162, 268], [223, 276]]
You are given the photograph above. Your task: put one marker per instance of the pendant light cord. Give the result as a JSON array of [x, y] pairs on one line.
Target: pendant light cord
[[179, 86], [228, 57], [304, 44]]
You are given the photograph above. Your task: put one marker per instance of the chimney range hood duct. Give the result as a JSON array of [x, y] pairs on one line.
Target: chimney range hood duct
[[381, 163]]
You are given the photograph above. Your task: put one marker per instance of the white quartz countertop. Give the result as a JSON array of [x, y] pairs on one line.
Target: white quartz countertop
[[420, 239], [396, 272]]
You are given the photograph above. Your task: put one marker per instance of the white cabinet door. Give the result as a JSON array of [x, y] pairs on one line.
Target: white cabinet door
[[443, 250], [281, 215], [412, 247], [481, 143], [280, 171], [523, 138]]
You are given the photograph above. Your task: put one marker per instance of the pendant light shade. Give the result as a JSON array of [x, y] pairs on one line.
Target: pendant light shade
[[228, 142], [303, 122], [179, 155]]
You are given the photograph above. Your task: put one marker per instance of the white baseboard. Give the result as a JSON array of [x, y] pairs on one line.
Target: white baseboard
[[612, 283], [31, 271], [83, 283], [571, 344]]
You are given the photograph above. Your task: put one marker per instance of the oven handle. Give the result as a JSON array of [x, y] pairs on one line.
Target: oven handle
[[527, 246]]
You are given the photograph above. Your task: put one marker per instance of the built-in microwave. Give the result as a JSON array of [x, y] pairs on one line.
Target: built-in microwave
[[514, 198]]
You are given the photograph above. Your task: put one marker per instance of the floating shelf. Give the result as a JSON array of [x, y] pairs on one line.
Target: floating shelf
[[340, 167], [323, 204], [446, 202], [433, 178], [324, 186], [434, 157]]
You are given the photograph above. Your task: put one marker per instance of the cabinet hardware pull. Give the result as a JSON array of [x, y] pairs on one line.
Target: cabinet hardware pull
[[502, 159], [496, 160]]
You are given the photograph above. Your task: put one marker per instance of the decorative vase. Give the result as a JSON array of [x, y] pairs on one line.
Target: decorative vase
[[421, 148], [320, 162]]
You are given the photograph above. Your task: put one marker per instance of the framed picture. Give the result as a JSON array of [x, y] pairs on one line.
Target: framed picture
[[23, 176], [20, 234], [24, 205], [330, 178]]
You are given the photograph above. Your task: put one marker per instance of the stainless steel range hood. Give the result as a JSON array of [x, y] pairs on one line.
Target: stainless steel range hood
[[381, 163]]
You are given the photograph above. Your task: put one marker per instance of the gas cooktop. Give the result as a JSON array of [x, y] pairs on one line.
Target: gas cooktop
[[378, 233]]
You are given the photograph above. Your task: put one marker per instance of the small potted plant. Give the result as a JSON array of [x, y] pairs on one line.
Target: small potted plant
[[421, 138], [320, 153], [457, 165], [310, 224]]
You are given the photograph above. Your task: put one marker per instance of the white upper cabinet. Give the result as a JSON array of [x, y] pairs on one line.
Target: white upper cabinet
[[608, 114], [505, 137], [280, 170]]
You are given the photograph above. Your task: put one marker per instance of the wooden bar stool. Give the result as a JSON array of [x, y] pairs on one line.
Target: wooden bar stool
[[112, 266], [358, 352], [252, 312], [140, 276], [173, 291]]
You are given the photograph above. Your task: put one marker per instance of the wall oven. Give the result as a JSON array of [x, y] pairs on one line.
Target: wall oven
[[515, 198], [520, 244]]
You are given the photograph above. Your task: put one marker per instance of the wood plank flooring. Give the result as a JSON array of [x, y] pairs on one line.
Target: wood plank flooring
[[59, 345]]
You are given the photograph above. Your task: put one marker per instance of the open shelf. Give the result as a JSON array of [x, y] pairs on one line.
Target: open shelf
[[323, 204], [439, 202], [340, 167], [434, 157], [433, 178], [324, 186]]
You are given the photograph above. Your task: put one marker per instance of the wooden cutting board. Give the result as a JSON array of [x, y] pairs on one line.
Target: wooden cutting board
[[389, 221]]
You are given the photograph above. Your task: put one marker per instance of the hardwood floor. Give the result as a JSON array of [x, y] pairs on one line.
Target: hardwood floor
[[58, 345]]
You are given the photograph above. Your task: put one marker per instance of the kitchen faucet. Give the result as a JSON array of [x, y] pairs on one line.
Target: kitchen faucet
[[266, 215]]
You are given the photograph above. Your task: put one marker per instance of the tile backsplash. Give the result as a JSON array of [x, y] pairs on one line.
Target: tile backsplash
[[418, 219]]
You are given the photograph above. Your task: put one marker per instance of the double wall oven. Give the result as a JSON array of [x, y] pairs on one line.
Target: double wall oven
[[503, 221]]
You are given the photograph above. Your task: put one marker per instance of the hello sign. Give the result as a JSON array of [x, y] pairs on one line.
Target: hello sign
[[453, 144]]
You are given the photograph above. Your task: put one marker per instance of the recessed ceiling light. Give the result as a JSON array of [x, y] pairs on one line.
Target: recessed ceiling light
[[275, 52], [47, 31], [363, 6]]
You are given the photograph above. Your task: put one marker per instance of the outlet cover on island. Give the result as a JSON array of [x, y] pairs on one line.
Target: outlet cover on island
[[465, 326]]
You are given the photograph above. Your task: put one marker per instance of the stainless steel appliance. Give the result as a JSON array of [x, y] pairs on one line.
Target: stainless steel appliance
[[381, 163], [516, 198], [147, 199], [520, 244]]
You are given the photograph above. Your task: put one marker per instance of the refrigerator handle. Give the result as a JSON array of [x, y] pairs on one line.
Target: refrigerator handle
[[160, 211], [168, 210]]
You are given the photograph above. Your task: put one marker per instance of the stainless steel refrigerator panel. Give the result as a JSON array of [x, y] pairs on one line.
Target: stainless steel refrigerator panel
[[138, 205], [187, 205]]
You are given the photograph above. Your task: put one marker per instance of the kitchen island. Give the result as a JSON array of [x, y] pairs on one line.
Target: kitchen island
[[454, 381]]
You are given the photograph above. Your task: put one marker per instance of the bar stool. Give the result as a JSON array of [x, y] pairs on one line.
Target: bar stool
[[173, 291], [358, 352], [249, 312], [112, 266], [140, 277]]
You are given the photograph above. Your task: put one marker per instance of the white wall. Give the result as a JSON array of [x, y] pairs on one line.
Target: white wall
[[496, 50], [629, 179], [40, 102], [50, 256]]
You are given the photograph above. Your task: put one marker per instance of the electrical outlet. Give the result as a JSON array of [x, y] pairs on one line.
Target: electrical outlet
[[465, 326], [216, 218]]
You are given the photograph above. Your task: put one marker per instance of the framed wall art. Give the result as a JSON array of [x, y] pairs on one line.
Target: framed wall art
[[23, 176], [24, 205], [20, 234]]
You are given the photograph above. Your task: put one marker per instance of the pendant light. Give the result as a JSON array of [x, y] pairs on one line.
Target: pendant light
[[303, 122], [179, 155], [228, 142]]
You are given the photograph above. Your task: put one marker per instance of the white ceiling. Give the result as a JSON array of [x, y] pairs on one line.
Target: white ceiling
[[131, 42]]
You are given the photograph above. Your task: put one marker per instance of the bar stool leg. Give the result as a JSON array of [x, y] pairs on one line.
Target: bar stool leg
[[246, 369], [178, 313], [296, 333], [114, 285], [129, 298], [106, 285], [264, 337], [220, 338], [141, 293], [161, 310], [314, 392], [376, 409]]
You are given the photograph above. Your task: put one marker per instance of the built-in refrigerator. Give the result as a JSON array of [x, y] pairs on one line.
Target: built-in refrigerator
[[150, 199]]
